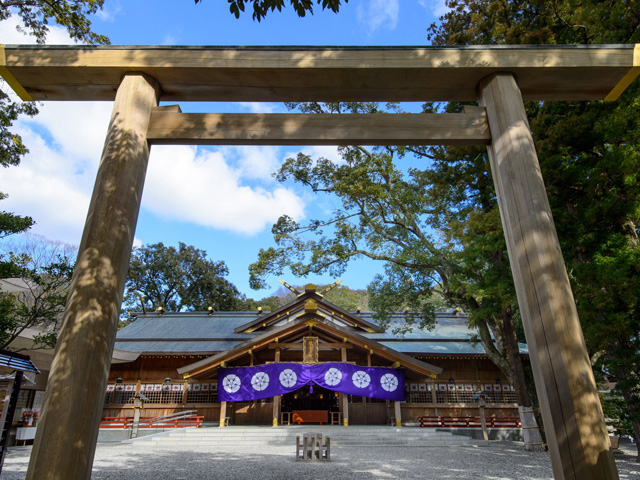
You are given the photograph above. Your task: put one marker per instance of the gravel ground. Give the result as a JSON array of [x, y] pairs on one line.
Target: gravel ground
[[496, 462]]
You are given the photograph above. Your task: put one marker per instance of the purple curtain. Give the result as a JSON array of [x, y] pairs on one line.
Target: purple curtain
[[264, 381]]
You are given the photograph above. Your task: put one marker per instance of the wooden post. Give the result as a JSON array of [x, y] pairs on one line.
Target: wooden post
[[571, 410], [276, 410], [398, 413], [67, 435], [345, 409], [483, 421], [276, 399], [223, 414], [345, 398], [185, 392]]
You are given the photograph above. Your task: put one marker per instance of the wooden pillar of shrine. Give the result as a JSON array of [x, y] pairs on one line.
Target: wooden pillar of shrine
[[65, 442], [223, 414], [571, 410], [276, 399], [343, 397], [398, 413]]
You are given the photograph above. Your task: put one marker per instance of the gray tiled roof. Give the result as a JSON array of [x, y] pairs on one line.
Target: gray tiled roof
[[17, 361], [203, 333]]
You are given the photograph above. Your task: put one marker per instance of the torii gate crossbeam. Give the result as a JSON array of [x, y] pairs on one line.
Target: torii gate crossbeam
[[499, 77]]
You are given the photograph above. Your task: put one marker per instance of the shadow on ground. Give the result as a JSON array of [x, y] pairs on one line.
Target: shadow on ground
[[497, 462]]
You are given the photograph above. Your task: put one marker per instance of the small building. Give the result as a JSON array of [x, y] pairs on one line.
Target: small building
[[255, 368]]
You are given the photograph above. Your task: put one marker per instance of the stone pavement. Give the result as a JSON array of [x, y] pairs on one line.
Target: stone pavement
[[495, 462]]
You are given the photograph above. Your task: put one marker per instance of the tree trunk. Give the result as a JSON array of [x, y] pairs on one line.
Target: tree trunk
[[636, 434], [636, 425], [530, 431]]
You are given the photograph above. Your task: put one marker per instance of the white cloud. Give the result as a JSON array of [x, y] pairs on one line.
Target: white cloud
[[53, 183], [435, 7], [199, 186], [110, 11], [77, 128], [169, 39], [256, 162], [329, 152], [261, 107], [230, 189], [379, 14], [48, 187], [9, 34]]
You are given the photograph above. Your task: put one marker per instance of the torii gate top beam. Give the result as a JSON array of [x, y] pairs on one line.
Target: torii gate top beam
[[270, 74]]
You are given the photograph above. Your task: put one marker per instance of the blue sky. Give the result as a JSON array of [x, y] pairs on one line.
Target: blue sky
[[222, 200]]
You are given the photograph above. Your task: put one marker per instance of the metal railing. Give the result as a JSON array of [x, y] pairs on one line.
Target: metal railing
[[448, 422], [175, 420]]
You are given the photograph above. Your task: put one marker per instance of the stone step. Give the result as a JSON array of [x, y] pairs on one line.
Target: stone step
[[441, 443], [293, 435], [259, 436]]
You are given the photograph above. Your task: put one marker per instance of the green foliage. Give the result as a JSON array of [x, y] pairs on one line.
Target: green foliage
[[262, 7], [342, 296], [616, 412], [181, 279], [11, 224], [41, 301], [437, 228], [36, 15], [589, 155]]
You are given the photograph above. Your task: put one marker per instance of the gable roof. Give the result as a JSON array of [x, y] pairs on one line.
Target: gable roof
[[309, 320], [298, 305]]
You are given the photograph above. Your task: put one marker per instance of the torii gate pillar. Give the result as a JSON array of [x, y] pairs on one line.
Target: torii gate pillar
[[571, 411], [68, 432]]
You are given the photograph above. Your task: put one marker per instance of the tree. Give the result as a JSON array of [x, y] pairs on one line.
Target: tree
[[589, 155], [43, 274], [181, 279], [262, 7], [36, 16], [406, 220]]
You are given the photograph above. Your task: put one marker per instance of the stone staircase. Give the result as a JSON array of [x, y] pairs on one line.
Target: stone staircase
[[240, 436]]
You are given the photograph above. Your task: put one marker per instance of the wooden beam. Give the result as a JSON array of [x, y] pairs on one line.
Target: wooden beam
[[298, 346], [275, 74], [573, 419], [173, 128], [68, 431]]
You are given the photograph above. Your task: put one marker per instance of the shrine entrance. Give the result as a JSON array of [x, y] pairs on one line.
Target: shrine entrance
[[308, 398], [310, 404]]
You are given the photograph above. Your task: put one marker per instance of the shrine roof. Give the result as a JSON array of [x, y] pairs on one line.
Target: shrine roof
[[199, 332], [304, 73]]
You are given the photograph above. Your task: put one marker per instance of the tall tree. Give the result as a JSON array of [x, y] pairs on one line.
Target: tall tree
[[436, 229], [36, 295], [181, 279], [589, 155]]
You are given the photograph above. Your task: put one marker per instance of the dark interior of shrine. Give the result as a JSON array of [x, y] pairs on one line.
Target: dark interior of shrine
[[311, 398]]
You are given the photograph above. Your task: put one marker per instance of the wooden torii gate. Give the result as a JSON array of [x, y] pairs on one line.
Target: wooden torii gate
[[498, 77]]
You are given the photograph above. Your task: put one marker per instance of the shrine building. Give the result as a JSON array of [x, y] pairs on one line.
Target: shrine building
[[308, 361]]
